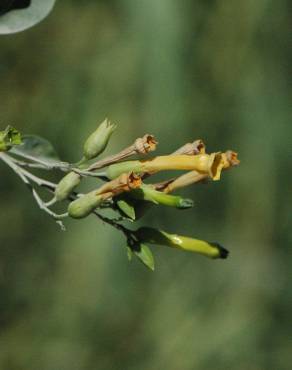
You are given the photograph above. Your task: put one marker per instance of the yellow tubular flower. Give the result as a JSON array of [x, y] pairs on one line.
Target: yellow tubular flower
[[206, 163], [228, 160], [185, 180], [210, 164]]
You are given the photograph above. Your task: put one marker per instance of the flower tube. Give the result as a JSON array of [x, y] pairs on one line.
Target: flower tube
[[154, 236], [148, 193], [210, 164]]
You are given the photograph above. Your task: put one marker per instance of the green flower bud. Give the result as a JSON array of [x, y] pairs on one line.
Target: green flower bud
[[154, 236], [98, 140], [67, 185], [84, 205], [147, 192]]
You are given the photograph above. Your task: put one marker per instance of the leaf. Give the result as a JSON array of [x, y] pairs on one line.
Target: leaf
[[9, 137], [38, 147], [127, 208], [18, 18], [145, 256], [129, 253]]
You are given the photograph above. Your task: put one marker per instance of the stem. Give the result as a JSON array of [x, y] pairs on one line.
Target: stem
[[24, 175], [113, 223], [50, 186], [100, 175], [64, 166]]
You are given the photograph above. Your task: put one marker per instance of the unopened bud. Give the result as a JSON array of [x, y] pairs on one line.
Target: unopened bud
[[86, 204], [147, 192], [98, 140], [154, 236], [67, 185]]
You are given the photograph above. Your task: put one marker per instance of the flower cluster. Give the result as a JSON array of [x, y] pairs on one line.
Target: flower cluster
[[127, 187]]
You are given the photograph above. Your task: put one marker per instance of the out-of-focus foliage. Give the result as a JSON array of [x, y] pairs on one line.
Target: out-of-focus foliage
[[202, 69]]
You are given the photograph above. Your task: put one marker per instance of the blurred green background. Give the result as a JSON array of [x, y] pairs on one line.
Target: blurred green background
[[181, 70]]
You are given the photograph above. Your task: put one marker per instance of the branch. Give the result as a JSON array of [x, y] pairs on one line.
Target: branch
[[25, 175]]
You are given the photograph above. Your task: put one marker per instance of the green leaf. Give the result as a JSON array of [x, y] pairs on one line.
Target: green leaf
[[145, 256], [127, 208], [129, 253], [13, 19], [37, 147], [9, 137]]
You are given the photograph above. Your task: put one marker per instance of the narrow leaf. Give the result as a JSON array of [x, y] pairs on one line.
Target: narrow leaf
[[145, 256], [127, 208]]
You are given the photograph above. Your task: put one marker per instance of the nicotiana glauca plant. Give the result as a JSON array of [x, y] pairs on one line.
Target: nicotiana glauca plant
[[125, 185]]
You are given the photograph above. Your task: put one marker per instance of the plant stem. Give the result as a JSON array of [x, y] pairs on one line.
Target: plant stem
[[25, 176]]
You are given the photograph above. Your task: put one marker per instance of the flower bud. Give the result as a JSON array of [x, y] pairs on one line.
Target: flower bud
[[84, 205], [194, 148], [67, 185], [98, 140], [154, 236], [147, 192]]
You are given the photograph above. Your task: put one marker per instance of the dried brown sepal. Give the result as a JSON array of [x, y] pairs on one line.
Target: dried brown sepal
[[124, 182], [196, 147], [230, 159], [145, 144], [142, 145]]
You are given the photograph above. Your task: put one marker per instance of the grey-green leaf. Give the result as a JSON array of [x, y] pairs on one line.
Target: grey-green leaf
[[145, 256], [37, 147], [17, 20]]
